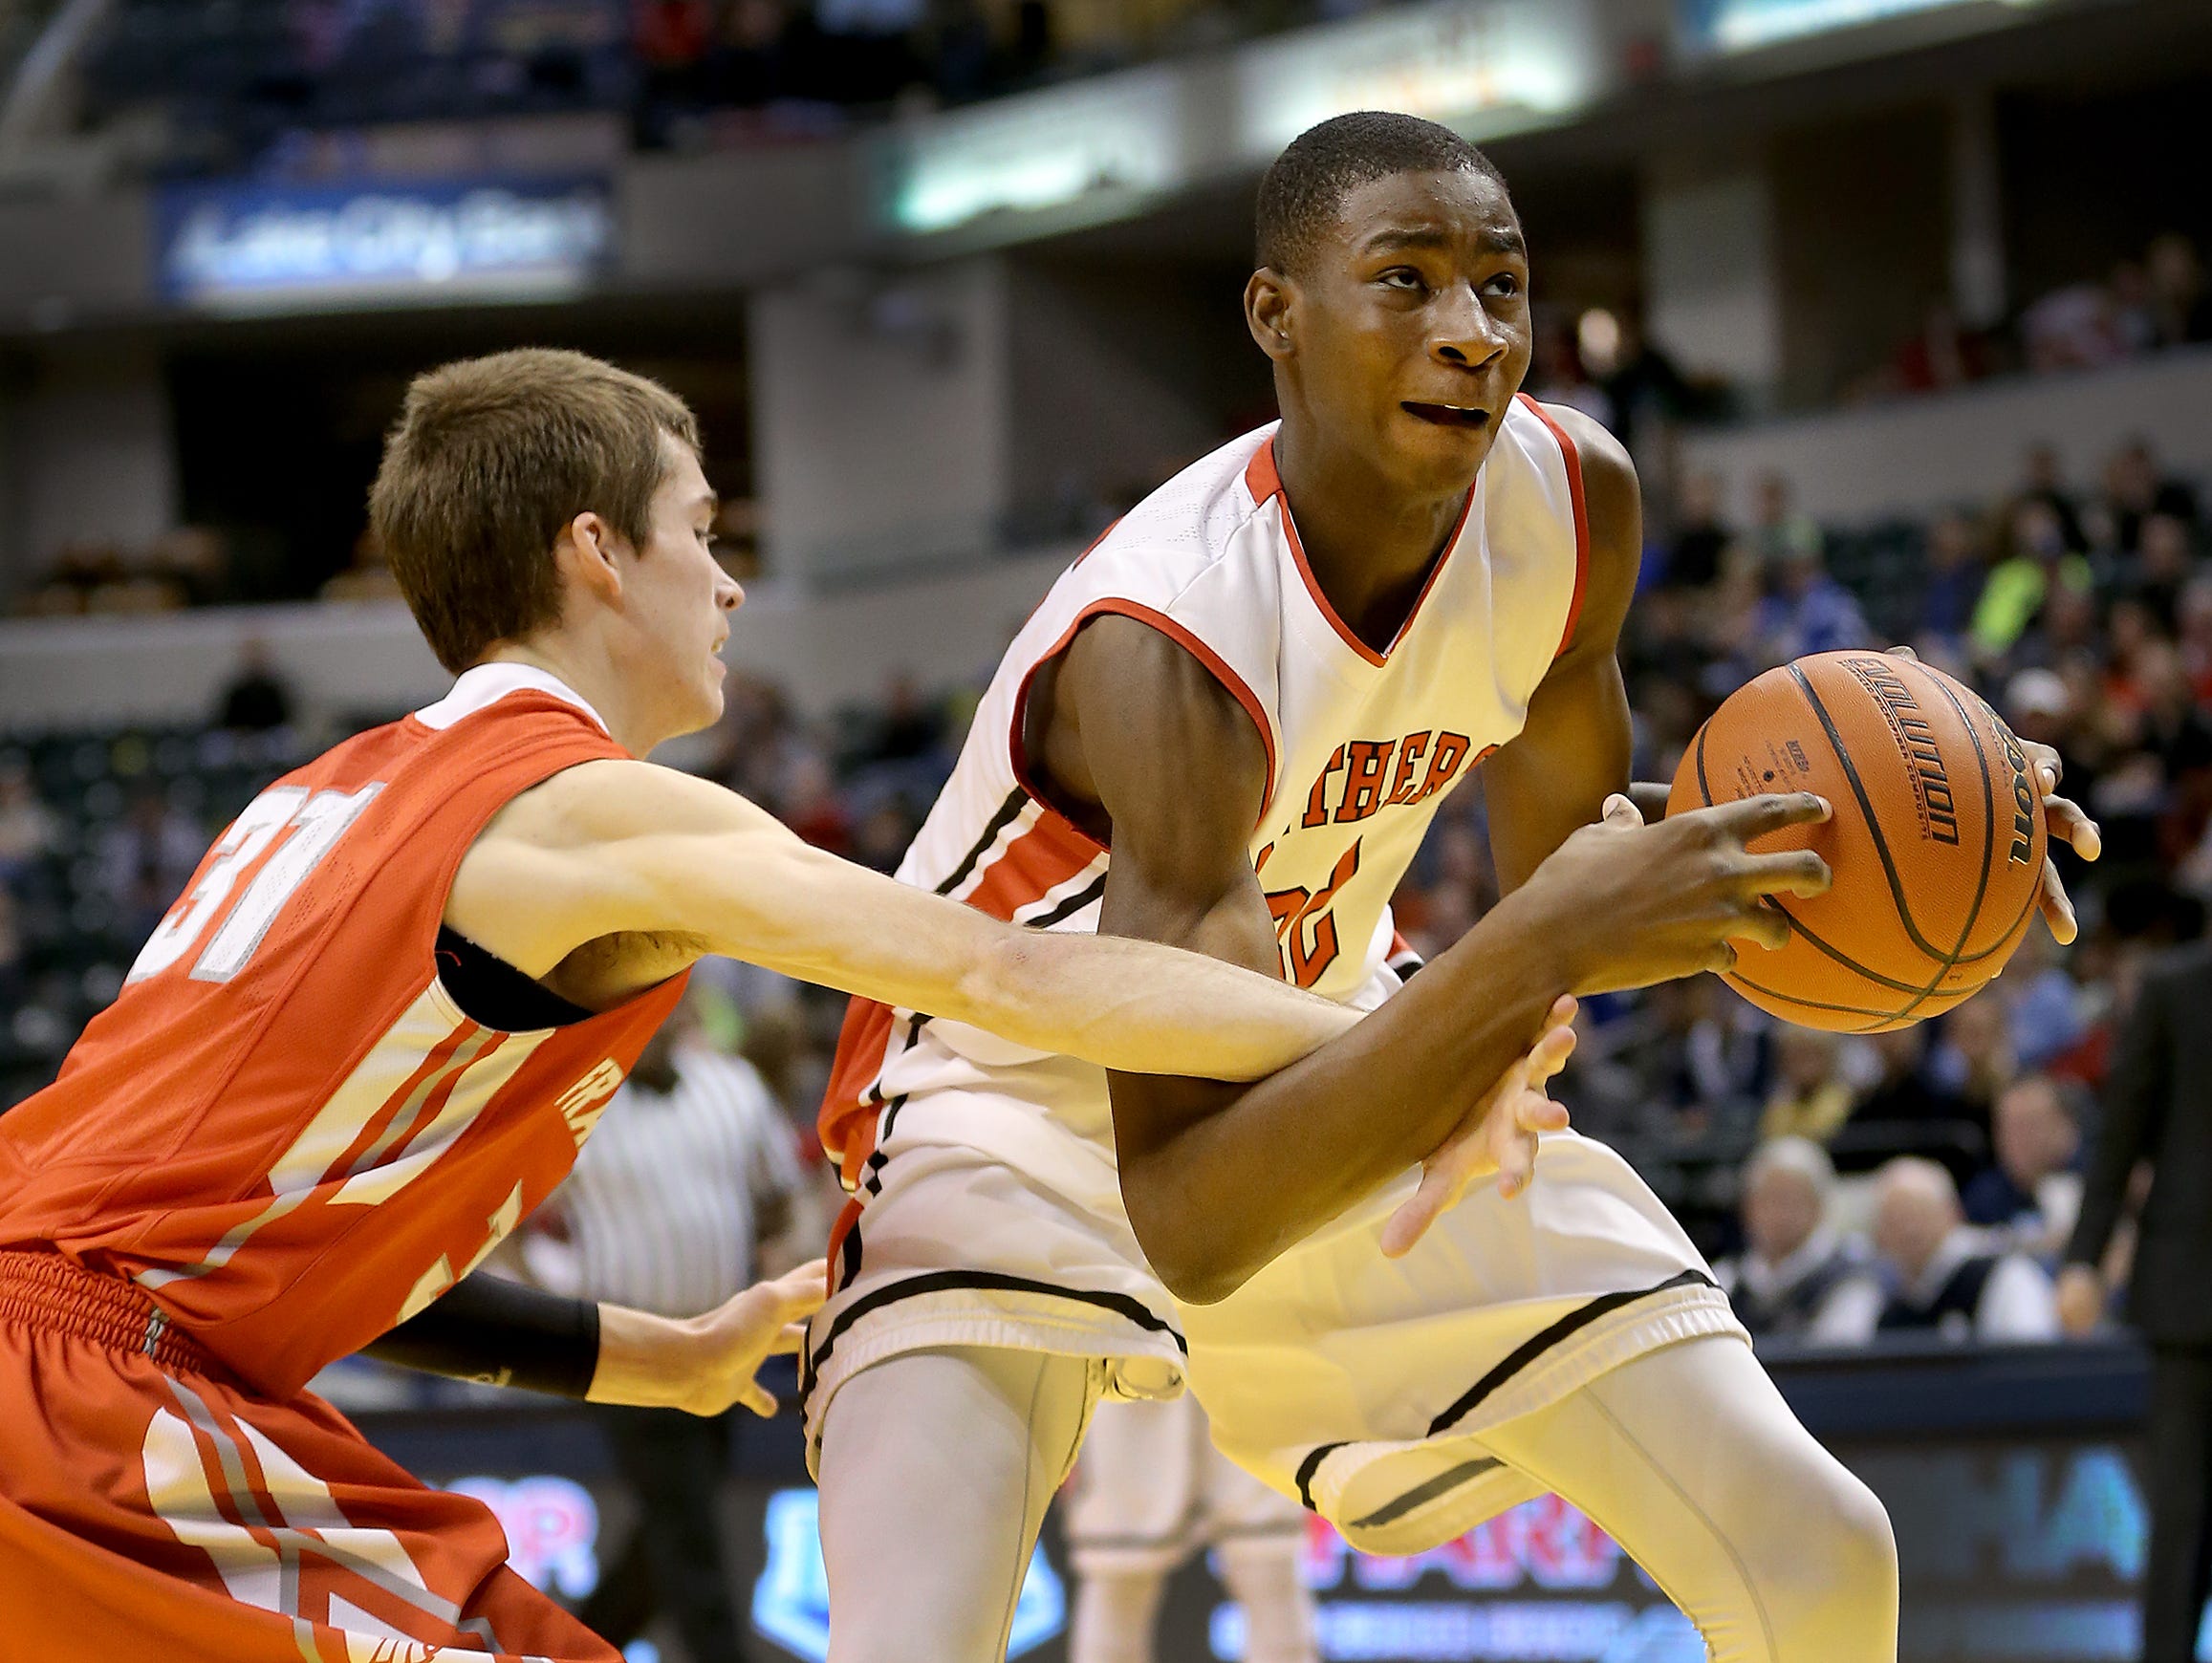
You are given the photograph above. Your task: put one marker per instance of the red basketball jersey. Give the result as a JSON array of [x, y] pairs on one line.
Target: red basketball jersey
[[285, 1129]]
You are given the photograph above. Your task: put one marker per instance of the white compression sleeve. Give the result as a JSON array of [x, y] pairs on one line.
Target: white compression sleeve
[[936, 1471], [1690, 1459]]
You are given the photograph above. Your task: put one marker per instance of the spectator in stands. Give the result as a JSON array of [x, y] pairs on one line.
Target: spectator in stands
[[2163, 564], [367, 575], [2030, 1198], [1936, 1274], [1807, 611], [2195, 623], [907, 725], [27, 825], [1684, 1058], [1795, 1278], [1647, 388], [2042, 483], [2072, 328], [2179, 304], [1780, 532], [145, 860], [2136, 488], [15, 983], [1973, 1060], [2157, 1109], [1954, 582], [257, 698], [2043, 1006], [689, 1175], [1812, 1095], [1901, 1094], [2033, 563], [2133, 321], [747, 67], [1701, 536], [1941, 354], [808, 802]]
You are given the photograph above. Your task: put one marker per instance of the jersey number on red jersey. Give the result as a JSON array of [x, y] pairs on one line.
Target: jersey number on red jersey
[[315, 820]]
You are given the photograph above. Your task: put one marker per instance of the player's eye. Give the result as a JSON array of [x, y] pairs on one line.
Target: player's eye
[[1403, 277], [1505, 283]]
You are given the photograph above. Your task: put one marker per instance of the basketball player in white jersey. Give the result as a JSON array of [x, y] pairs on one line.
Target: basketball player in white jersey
[[1254, 691]]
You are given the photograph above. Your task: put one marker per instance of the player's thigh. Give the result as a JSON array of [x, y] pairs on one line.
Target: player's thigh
[[935, 1470], [1689, 1457]]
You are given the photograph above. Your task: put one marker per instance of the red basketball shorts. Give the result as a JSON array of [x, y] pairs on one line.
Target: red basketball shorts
[[152, 1506]]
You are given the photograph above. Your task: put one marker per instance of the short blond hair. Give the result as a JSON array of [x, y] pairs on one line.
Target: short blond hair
[[490, 458]]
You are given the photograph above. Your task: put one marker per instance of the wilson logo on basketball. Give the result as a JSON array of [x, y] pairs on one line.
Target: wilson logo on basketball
[[2023, 797], [1917, 739]]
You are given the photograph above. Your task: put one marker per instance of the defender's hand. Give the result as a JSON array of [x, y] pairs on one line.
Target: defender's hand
[[707, 1363], [1628, 904], [1499, 1137]]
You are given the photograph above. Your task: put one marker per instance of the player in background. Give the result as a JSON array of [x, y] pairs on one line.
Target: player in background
[[1149, 1492], [1227, 727], [385, 1014]]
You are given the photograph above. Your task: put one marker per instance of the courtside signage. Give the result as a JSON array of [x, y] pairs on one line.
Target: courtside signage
[[233, 246]]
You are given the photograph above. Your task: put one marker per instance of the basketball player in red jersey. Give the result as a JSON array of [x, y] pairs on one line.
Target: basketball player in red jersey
[[373, 1033], [1228, 726]]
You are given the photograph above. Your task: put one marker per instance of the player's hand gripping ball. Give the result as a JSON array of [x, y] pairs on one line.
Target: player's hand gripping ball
[[1937, 842]]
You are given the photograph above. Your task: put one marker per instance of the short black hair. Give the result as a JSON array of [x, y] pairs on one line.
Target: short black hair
[[1308, 183]]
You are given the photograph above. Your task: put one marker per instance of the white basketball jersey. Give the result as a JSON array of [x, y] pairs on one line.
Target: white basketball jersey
[[1361, 744]]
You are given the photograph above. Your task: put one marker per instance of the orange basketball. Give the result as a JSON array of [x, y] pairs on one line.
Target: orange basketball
[[1936, 843]]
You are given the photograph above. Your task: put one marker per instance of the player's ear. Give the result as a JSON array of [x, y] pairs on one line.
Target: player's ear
[[1268, 305], [584, 553]]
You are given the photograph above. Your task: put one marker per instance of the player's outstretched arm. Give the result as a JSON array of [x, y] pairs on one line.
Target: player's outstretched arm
[[624, 848]]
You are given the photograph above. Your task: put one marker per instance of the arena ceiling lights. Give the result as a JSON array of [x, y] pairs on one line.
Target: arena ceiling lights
[[1747, 24], [1104, 149]]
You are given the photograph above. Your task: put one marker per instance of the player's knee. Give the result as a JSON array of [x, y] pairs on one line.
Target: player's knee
[[1835, 1597]]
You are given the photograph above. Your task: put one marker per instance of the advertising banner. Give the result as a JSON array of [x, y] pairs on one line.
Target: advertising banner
[[235, 245]]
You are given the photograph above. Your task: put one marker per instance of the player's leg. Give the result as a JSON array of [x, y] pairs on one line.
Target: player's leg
[[1128, 1516], [1263, 1577], [935, 1470], [1258, 1539], [1690, 1459], [1115, 1613]]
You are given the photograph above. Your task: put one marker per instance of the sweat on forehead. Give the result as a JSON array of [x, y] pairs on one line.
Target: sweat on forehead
[[1301, 193]]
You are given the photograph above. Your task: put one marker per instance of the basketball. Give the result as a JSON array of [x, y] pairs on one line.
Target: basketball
[[1936, 843]]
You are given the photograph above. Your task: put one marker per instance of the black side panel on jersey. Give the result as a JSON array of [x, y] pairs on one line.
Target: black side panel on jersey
[[492, 992]]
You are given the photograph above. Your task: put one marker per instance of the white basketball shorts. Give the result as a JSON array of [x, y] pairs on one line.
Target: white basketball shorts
[[1358, 1385]]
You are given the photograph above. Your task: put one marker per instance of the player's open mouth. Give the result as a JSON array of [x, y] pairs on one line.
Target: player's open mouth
[[1448, 415]]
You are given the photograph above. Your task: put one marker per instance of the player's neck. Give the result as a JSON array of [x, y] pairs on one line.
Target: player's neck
[[591, 671], [1369, 543]]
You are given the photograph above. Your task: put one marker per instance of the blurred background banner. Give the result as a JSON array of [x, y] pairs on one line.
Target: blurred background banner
[[265, 247]]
